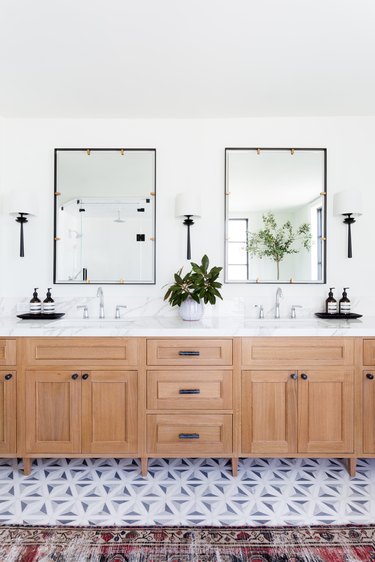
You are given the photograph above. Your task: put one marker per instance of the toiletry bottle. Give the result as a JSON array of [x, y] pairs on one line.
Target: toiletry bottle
[[344, 302], [331, 303], [35, 303], [48, 303]]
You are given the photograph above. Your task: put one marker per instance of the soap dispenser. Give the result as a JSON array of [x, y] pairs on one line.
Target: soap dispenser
[[331, 303], [344, 302], [35, 303], [48, 303]]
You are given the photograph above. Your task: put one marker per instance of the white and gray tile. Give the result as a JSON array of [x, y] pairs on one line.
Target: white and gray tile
[[186, 492]]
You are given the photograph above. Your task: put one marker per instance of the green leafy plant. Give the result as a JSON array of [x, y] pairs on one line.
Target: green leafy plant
[[276, 242], [199, 283]]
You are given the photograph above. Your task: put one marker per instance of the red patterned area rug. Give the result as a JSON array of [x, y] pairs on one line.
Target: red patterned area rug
[[187, 544]]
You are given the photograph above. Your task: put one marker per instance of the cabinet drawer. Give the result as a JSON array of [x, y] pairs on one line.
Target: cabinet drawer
[[8, 352], [81, 351], [189, 352], [189, 434], [200, 390], [369, 351], [297, 351]]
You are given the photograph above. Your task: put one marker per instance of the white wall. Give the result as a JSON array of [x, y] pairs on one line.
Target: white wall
[[190, 155]]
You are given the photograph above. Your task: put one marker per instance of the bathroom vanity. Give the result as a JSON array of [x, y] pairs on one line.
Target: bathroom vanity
[[138, 391]]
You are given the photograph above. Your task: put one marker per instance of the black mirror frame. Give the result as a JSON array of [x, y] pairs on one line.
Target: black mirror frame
[[226, 217]]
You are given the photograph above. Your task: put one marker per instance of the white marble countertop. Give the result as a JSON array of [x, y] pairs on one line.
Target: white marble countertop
[[160, 326]]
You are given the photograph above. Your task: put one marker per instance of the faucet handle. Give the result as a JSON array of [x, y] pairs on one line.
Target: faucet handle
[[293, 310], [118, 306], [85, 310], [261, 310]]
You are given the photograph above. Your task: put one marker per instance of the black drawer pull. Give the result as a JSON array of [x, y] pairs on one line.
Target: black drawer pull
[[74, 376], [189, 391], [304, 376], [370, 376], [189, 353], [294, 376], [8, 377], [85, 376], [188, 436]]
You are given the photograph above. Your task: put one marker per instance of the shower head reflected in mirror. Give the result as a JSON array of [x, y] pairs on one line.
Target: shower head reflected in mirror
[[119, 219]]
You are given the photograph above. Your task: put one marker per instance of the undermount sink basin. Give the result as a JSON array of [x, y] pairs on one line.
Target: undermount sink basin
[[282, 320], [92, 322], [284, 323]]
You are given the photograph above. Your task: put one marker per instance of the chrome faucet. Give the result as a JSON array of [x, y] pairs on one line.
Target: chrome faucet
[[100, 294], [279, 294]]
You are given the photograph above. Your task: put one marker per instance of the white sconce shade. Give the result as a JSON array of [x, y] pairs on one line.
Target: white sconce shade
[[347, 203], [21, 202], [188, 204]]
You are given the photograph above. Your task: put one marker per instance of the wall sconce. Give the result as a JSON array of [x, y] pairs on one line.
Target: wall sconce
[[348, 204], [188, 205], [22, 205]]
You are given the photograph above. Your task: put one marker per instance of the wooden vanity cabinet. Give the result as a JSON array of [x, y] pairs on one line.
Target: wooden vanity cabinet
[[306, 407], [190, 399], [75, 411], [367, 387], [8, 413], [194, 397], [287, 412], [8, 397], [88, 412]]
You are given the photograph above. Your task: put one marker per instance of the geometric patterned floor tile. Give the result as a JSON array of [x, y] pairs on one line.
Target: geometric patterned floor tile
[[187, 492]]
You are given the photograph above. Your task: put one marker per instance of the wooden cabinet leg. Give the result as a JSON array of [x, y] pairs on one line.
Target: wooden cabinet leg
[[234, 466], [352, 466], [144, 467], [27, 466]]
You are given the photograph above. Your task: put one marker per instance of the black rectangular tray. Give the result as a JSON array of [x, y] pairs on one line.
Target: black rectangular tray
[[338, 316], [42, 316]]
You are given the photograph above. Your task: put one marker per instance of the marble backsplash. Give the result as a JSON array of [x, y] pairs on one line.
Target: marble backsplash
[[145, 307]]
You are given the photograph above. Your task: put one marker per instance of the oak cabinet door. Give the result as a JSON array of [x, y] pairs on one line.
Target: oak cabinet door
[[368, 416], [8, 412], [109, 412], [53, 412], [269, 411], [325, 411]]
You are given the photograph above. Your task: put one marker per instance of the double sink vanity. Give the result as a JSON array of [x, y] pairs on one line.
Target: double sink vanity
[[161, 387]]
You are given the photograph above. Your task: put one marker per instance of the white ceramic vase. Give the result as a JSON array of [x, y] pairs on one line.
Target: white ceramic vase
[[191, 309]]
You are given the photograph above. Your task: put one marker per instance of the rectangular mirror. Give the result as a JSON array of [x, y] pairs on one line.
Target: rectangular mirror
[[275, 215], [104, 215]]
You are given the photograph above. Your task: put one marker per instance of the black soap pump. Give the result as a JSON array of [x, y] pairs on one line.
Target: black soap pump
[[48, 303], [331, 303], [35, 303], [344, 302]]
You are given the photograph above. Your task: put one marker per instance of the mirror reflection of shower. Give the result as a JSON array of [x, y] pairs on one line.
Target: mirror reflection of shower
[[105, 215], [89, 229]]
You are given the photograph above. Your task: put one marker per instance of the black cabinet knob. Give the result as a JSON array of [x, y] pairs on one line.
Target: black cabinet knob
[[304, 376], [8, 377], [75, 376], [85, 376], [294, 376], [370, 376]]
